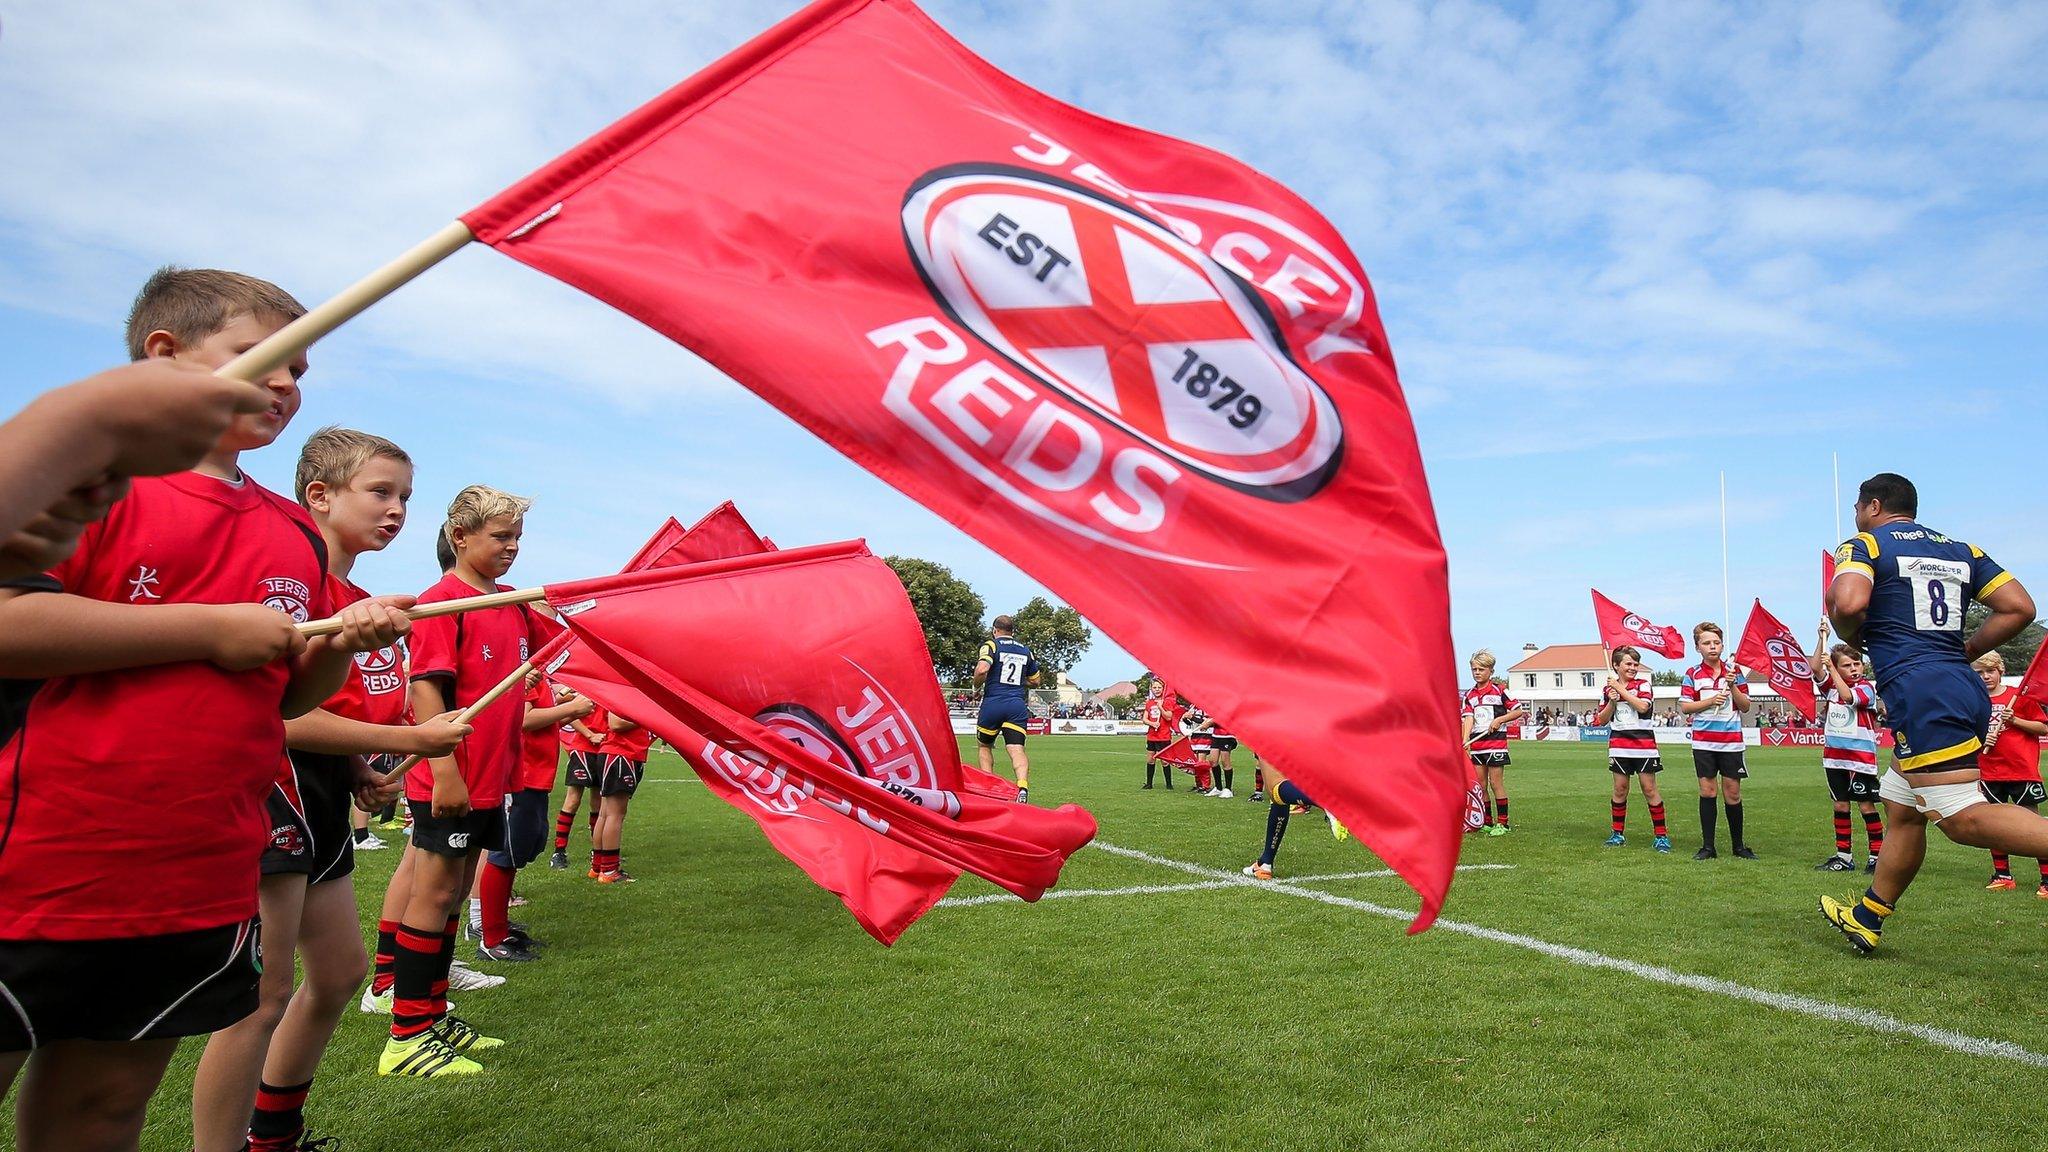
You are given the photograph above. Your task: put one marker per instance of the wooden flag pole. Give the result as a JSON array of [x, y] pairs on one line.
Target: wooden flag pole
[[280, 346], [467, 715], [332, 624]]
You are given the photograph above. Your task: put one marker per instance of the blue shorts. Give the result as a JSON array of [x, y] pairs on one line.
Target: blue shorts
[[1938, 715], [1001, 716]]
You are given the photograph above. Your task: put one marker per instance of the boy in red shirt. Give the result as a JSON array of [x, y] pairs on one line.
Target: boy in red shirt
[[625, 759], [456, 801], [2011, 764], [1162, 725], [254, 1077], [585, 738], [128, 884]]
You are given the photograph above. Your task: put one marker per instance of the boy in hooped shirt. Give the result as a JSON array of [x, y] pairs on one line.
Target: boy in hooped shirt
[[1715, 695], [185, 597], [1848, 749]]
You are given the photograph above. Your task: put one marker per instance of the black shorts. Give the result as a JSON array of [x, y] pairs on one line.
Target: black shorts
[[1155, 746], [135, 988], [482, 828], [1490, 759], [1845, 785], [1224, 743], [1708, 763], [585, 769], [2025, 793], [313, 838], [621, 776], [1632, 765]]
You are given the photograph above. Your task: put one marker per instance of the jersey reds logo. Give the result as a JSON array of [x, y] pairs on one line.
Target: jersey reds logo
[[287, 596], [1127, 321], [288, 839], [1636, 624], [379, 671], [1788, 663]]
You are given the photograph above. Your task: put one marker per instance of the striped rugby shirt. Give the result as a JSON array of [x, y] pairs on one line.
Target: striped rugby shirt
[[1850, 739], [1717, 729], [1484, 703], [1629, 733]]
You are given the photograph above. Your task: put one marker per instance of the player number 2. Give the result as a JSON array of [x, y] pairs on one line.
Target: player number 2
[[1012, 672]]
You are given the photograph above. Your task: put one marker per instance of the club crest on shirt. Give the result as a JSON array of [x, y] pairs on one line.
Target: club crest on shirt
[[288, 596], [379, 671], [288, 839]]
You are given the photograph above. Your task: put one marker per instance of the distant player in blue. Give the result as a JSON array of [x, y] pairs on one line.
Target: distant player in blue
[[1004, 671], [1900, 590]]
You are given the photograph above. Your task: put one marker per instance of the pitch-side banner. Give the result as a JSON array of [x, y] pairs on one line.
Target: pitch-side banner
[[1150, 376]]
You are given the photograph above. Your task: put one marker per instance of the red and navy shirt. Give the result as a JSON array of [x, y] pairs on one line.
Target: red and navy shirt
[[1629, 733], [1483, 704], [136, 798], [473, 652]]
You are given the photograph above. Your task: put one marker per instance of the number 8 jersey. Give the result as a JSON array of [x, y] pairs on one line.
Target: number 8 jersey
[[1920, 583]]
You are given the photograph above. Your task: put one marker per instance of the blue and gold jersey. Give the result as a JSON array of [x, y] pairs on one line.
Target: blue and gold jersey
[[1920, 583], [1010, 668]]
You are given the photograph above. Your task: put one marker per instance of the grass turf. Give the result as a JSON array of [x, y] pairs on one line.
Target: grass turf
[[725, 1002]]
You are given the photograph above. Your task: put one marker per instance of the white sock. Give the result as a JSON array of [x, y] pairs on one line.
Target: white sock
[[476, 912]]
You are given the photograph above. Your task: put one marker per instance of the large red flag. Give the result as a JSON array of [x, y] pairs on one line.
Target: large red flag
[[2034, 685], [1150, 376], [1619, 626], [798, 685], [1770, 648]]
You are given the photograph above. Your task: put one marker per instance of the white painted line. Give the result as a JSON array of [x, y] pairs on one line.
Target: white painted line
[[1198, 886], [1713, 985]]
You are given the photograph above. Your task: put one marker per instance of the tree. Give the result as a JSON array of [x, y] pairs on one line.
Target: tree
[[1120, 706], [1058, 636], [2017, 651], [1665, 678], [949, 611]]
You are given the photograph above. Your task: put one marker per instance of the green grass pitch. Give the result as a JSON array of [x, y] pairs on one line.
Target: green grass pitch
[[724, 1002]]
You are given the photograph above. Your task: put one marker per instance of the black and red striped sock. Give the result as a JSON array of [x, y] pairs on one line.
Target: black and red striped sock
[[1500, 810], [450, 933], [565, 823], [418, 960], [2000, 865], [605, 860], [1842, 841], [387, 957], [2044, 870], [279, 1119], [1657, 821], [1617, 810], [1873, 828]]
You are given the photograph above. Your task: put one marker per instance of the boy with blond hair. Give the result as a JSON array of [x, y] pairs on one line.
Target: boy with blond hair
[[457, 801], [2011, 763], [189, 590], [1715, 694], [1848, 749], [1486, 710], [254, 1077]]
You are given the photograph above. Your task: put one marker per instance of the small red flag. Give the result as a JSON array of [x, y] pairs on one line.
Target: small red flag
[[1147, 374], [1827, 577], [810, 704], [1180, 754], [1770, 648], [1619, 626]]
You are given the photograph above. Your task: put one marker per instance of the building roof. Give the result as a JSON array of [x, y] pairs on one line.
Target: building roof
[[1120, 688], [1564, 658]]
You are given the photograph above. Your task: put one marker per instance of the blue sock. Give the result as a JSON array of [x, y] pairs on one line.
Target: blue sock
[[1276, 831], [1870, 911]]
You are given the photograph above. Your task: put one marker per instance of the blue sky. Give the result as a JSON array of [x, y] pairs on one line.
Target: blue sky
[[1617, 250]]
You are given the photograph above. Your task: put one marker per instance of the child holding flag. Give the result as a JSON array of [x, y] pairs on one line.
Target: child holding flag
[[2011, 763], [188, 590], [1849, 749], [1631, 744], [457, 801]]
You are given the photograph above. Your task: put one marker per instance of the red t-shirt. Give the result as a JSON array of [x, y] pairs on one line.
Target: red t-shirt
[[2011, 754], [476, 649], [572, 739], [1162, 719], [633, 743], [539, 752], [137, 796], [375, 691]]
